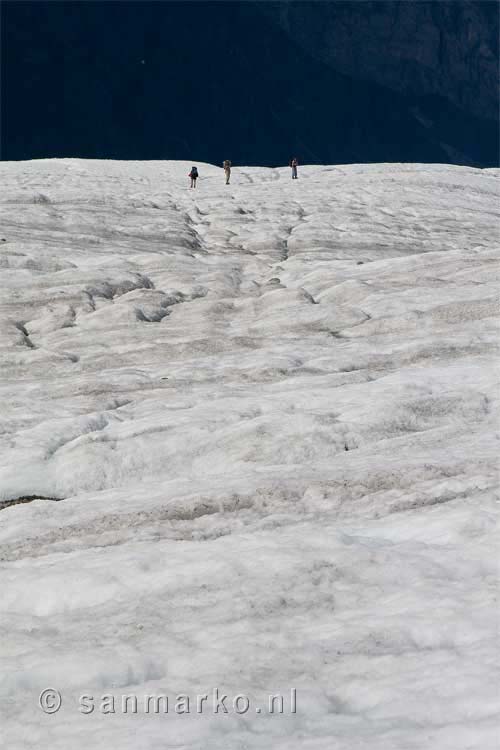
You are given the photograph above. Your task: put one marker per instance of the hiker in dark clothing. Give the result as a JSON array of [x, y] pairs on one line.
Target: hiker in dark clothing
[[194, 176], [294, 164]]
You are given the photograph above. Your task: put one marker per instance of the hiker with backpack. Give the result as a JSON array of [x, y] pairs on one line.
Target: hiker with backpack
[[294, 164], [194, 176], [227, 170]]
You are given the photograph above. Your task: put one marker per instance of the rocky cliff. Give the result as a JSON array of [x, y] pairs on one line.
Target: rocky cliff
[[329, 82], [449, 49]]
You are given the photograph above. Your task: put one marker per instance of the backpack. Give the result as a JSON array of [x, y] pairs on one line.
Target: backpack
[[227, 164], [194, 173]]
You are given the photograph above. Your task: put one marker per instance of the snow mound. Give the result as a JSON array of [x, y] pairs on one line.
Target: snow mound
[[268, 413]]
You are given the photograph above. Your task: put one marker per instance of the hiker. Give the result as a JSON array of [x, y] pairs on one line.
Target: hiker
[[194, 176], [294, 164], [227, 170]]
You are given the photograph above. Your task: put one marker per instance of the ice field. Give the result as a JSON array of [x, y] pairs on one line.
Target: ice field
[[269, 413]]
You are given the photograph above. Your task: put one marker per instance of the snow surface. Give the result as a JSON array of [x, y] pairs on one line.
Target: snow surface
[[270, 412]]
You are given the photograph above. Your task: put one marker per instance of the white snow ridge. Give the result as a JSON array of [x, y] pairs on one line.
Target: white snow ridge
[[269, 413]]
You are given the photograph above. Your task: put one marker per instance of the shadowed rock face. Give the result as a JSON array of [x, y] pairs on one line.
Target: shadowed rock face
[[254, 82], [448, 49]]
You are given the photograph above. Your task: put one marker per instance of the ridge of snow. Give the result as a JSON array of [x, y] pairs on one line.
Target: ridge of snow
[[269, 412]]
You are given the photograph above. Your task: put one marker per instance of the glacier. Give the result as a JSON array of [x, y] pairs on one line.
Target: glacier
[[249, 441]]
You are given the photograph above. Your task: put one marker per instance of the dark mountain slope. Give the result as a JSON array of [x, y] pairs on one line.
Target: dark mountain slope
[[206, 81], [445, 47]]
